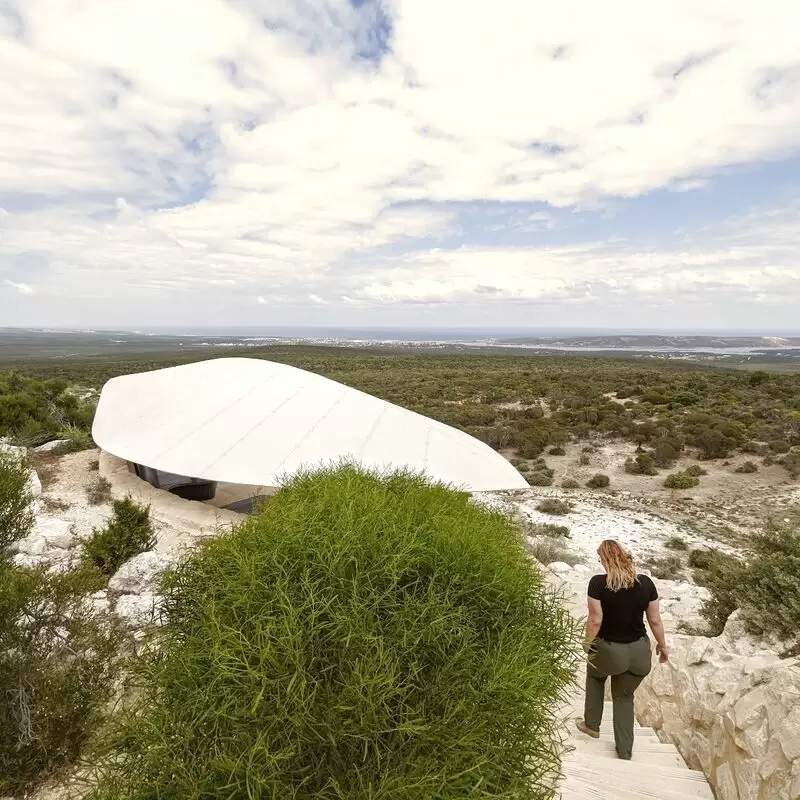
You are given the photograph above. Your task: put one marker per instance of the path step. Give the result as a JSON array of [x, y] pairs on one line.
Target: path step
[[663, 755], [643, 777], [596, 788]]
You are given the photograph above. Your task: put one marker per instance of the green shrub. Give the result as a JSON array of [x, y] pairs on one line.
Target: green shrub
[[570, 483], [598, 481], [33, 412], [681, 480], [548, 550], [548, 529], [747, 467], [540, 465], [557, 451], [94, 465], [791, 462], [676, 543], [695, 470], [360, 637], [16, 514], [701, 558], [98, 491], [665, 453], [764, 585], [585, 459], [665, 568], [57, 666], [75, 440], [779, 446], [552, 505], [539, 479], [128, 533], [643, 464]]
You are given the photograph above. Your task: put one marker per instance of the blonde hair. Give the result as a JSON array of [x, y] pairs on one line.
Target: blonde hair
[[619, 566]]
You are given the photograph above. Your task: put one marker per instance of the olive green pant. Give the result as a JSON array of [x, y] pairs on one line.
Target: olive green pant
[[626, 665]]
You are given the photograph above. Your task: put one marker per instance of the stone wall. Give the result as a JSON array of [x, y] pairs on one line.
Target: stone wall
[[733, 710]]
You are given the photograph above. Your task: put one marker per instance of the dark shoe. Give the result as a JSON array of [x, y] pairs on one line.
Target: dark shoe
[[584, 728], [624, 757]]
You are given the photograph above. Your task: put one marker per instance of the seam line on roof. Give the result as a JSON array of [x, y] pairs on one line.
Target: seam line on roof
[[254, 427], [316, 425], [219, 413], [426, 449], [375, 424]]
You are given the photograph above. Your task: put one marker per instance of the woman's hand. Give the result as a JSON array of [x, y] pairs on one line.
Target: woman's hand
[[663, 653]]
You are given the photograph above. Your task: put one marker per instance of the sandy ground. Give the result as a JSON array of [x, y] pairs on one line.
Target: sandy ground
[[178, 523], [725, 507]]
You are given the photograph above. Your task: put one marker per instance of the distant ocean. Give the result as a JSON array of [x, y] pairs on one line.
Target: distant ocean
[[477, 335]]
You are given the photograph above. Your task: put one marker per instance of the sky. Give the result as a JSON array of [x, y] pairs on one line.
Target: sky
[[400, 162]]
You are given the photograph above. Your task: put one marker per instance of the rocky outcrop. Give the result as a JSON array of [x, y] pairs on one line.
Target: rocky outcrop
[[52, 541], [732, 708], [141, 574]]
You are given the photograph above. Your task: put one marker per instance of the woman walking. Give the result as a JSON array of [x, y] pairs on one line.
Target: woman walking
[[617, 642]]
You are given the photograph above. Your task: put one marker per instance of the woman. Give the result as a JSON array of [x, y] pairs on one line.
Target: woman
[[617, 642]]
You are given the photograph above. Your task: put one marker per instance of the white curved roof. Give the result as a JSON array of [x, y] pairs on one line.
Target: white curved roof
[[253, 422]]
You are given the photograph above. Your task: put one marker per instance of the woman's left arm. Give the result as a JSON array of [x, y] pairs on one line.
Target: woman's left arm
[[594, 620]]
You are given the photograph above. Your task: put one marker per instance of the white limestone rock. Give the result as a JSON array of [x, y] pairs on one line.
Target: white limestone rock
[[57, 533], [141, 573], [559, 567], [32, 545], [139, 610], [732, 708], [49, 447], [34, 485], [100, 603]]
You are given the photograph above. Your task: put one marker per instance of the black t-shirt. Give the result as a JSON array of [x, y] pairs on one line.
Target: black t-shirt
[[623, 611]]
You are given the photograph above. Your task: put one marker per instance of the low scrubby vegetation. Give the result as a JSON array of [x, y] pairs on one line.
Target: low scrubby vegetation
[[681, 480], [536, 472], [547, 550], [361, 637], [33, 411], [665, 567], [643, 464], [57, 661], [548, 529], [763, 583], [16, 514], [598, 481], [57, 667], [554, 506], [127, 533], [98, 491], [570, 483], [525, 404], [676, 543]]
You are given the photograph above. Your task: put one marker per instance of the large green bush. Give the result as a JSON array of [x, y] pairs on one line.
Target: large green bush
[[358, 638], [765, 584], [57, 666], [16, 514], [127, 533]]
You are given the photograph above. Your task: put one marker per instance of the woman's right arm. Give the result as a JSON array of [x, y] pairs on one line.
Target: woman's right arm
[[657, 628]]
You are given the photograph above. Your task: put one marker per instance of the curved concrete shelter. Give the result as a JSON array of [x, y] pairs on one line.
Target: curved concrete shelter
[[254, 422]]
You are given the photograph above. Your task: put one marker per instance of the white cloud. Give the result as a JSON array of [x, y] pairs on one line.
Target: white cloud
[[22, 288], [220, 148]]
